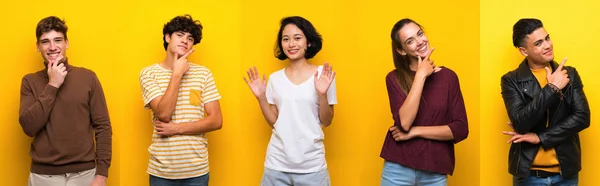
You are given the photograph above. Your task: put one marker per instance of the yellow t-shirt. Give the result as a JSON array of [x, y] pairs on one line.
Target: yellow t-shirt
[[179, 156], [545, 159]]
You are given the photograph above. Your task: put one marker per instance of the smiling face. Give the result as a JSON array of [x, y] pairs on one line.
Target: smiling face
[[414, 41], [179, 42], [52, 45], [537, 47], [293, 42]]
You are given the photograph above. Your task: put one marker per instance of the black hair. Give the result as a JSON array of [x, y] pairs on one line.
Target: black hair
[[524, 27], [183, 23], [313, 37]]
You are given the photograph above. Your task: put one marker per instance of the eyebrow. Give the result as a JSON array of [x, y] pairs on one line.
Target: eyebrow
[[48, 39], [285, 35], [540, 40]]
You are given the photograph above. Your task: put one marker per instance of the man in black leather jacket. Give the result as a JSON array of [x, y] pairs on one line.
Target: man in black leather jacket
[[547, 107]]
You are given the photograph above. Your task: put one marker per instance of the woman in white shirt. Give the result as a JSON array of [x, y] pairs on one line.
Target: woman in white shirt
[[296, 102]]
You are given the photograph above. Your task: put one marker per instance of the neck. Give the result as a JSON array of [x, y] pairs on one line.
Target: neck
[[536, 65], [414, 64], [298, 64]]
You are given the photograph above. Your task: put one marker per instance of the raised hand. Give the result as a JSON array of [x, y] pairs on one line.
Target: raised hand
[[559, 78], [327, 75], [425, 66], [56, 72], [181, 64], [257, 86]]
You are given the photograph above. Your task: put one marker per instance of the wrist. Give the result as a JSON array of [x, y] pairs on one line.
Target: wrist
[[415, 132], [55, 85], [261, 98], [179, 130]]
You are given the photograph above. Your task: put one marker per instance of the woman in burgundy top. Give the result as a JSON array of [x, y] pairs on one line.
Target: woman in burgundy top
[[428, 111]]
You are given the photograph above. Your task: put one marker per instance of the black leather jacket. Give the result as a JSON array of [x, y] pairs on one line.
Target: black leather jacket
[[527, 105]]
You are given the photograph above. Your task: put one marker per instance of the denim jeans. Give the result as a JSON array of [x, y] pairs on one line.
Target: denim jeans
[[195, 181], [397, 175], [556, 180]]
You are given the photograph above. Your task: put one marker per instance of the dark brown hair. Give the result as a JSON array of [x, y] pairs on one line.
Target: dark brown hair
[[404, 76], [49, 24]]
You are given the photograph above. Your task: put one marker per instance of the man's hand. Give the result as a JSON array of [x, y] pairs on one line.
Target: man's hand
[[518, 138], [56, 72], [559, 78], [167, 129], [181, 64], [99, 181]]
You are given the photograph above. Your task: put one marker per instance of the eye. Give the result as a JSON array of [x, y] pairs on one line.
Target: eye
[[408, 42], [191, 39], [298, 38], [285, 39], [420, 33]]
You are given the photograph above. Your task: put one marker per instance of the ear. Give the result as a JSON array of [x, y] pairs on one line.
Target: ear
[[66, 43], [168, 38], [37, 46], [523, 51], [401, 52], [309, 45]]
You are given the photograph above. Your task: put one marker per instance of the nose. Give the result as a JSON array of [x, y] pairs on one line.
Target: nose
[[53, 46], [547, 45], [420, 41]]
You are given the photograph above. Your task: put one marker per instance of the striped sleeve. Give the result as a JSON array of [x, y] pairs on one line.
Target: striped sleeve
[[210, 92], [150, 88]]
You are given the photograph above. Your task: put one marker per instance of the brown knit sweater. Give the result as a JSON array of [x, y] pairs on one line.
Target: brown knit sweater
[[64, 121]]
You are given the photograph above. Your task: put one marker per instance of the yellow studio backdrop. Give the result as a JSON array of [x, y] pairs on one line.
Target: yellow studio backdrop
[[573, 36], [117, 39]]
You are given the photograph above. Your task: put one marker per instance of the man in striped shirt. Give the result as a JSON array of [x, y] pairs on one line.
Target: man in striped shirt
[[184, 101]]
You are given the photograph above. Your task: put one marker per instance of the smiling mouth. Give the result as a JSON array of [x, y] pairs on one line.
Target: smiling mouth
[[422, 49], [293, 51], [185, 47], [53, 55]]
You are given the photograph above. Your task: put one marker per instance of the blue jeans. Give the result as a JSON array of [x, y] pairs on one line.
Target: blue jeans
[[397, 175], [196, 181], [556, 180]]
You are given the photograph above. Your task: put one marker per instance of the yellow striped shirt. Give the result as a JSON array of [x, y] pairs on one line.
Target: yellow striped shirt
[[179, 156]]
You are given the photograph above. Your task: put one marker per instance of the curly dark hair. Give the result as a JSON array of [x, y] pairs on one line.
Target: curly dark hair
[[49, 24], [312, 36], [183, 23]]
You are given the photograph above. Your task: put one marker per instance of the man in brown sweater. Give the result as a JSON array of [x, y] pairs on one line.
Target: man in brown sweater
[[63, 109]]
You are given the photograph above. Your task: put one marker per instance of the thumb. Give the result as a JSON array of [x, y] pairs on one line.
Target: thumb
[[420, 60], [548, 71]]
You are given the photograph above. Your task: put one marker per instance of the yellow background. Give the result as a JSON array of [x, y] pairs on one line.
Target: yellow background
[[573, 36], [117, 40]]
